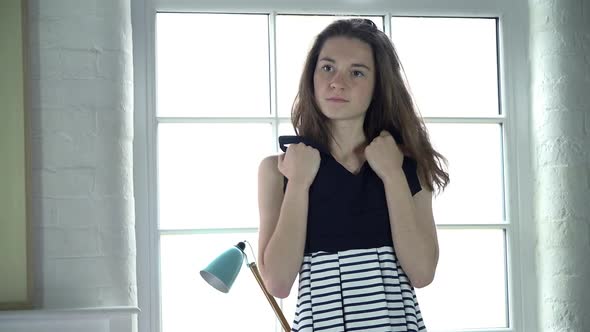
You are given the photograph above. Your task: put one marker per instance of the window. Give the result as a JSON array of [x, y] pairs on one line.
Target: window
[[224, 84]]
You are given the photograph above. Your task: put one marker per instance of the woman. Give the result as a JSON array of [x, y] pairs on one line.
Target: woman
[[348, 207]]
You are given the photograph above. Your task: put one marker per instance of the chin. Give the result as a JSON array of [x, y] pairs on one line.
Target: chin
[[333, 114], [343, 117]]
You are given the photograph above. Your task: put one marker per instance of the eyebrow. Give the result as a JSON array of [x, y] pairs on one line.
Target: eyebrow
[[353, 65]]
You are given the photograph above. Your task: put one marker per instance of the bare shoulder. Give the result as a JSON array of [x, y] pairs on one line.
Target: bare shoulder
[[423, 204], [270, 196], [268, 167], [270, 178], [423, 198], [269, 161]]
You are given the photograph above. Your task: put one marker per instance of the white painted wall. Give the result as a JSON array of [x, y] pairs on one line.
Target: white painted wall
[[82, 136], [81, 125], [560, 66]]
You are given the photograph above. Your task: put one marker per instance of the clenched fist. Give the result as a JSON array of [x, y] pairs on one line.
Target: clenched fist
[[300, 164], [383, 155]]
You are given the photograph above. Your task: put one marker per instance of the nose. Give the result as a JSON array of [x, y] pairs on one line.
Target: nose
[[338, 81]]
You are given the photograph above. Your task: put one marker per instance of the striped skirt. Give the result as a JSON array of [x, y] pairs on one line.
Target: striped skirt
[[355, 290]]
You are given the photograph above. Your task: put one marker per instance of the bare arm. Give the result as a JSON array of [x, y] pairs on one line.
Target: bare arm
[[283, 225], [413, 229]]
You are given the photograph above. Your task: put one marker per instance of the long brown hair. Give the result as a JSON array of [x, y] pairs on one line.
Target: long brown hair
[[391, 108]]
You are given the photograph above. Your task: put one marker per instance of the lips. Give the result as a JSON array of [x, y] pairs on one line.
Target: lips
[[337, 99]]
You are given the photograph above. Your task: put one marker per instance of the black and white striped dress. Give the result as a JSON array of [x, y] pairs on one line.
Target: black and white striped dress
[[350, 279]]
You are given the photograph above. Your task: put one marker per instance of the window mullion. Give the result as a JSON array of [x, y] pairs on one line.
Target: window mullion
[[387, 24], [193, 231], [272, 47]]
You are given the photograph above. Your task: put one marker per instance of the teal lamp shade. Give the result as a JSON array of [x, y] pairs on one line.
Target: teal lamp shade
[[223, 270]]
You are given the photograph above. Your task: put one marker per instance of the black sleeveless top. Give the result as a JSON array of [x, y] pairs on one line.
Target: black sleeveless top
[[346, 210]]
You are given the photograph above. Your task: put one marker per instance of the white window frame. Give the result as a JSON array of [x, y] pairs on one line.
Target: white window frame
[[514, 102]]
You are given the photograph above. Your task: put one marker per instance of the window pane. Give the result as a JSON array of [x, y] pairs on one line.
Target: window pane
[[475, 193], [450, 63], [190, 304], [285, 129], [208, 173], [212, 65], [469, 289], [295, 35]]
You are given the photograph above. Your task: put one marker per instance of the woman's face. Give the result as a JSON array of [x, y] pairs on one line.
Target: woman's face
[[344, 78]]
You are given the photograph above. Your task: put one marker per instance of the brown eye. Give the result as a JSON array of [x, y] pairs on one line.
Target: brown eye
[[327, 68], [358, 73]]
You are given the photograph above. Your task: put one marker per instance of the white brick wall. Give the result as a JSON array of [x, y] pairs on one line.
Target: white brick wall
[[81, 152], [560, 60]]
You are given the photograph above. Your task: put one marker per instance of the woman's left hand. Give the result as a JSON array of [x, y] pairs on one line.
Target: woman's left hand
[[383, 155]]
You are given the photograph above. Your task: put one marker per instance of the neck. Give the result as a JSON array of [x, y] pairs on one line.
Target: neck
[[349, 140]]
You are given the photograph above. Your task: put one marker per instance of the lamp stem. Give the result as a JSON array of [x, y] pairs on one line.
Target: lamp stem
[[269, 297]]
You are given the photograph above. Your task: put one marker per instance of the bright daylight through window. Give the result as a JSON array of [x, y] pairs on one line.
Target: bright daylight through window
[[225, 86]]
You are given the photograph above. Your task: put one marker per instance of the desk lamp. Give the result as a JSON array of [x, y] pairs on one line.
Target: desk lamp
[[223, 270]]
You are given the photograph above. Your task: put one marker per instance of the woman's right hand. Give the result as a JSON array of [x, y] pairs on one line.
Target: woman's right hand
[[300, 163]]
